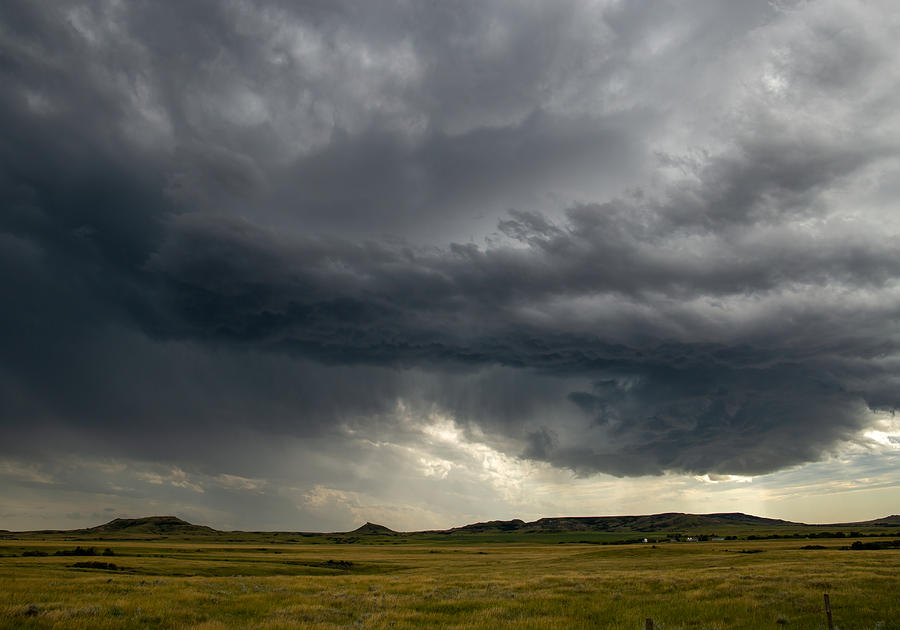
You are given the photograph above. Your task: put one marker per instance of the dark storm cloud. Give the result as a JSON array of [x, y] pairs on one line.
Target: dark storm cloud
[[194, 204], [395, 184], [738, 400]]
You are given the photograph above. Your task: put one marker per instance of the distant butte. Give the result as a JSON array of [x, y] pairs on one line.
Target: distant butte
[[373, 528], [172, 526]]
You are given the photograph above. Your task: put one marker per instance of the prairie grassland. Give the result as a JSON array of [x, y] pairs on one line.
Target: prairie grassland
[[490, 586]]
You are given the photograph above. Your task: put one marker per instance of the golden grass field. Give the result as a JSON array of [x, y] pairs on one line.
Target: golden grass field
[[492, 585]]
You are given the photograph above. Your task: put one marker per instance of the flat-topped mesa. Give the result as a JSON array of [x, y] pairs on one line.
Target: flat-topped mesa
[[492, 526], [151, 525], [669, 521], [127, 523]]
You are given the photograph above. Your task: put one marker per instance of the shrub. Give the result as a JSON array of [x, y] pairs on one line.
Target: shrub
[[77, 551], [109, 566], [877, 544]]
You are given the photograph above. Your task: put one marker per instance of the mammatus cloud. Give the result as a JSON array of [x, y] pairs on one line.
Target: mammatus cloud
[[612, 237]]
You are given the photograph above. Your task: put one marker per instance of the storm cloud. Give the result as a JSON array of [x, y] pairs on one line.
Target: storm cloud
[[628, 238]]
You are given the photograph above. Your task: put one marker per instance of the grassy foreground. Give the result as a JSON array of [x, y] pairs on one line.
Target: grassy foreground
[[733, 584]]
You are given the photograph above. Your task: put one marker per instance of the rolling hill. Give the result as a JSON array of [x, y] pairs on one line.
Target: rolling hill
[[887, 521]]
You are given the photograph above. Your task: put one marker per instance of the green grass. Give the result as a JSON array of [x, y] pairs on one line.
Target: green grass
[[449, 583]]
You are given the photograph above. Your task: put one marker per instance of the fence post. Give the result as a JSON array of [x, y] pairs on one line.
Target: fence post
[[648, 625], [828, 612]]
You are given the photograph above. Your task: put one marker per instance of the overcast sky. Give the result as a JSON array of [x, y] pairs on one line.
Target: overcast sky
[[298, 265]]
